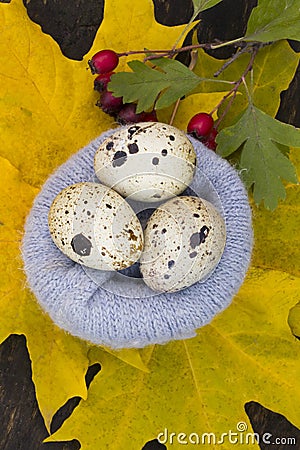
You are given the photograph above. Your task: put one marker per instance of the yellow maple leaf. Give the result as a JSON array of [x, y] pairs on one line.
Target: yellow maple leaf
[[190, 106], [47, 111], [47, 101], [58, 359], [200, 385]]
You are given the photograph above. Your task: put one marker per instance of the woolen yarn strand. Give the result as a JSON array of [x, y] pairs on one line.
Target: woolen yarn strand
[[91, 305]]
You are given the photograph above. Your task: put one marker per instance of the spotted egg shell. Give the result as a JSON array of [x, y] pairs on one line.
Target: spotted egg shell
[[148, 161], [184, 241], [96, 227]]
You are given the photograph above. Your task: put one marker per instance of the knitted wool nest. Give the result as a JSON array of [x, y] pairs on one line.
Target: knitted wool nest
[[117, 309]]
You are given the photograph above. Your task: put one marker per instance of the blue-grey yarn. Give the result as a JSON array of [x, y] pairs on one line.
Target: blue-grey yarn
[[77, 302]]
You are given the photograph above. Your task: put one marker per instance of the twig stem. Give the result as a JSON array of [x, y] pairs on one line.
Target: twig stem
[[194, 57], [157, 53], [234, 90]]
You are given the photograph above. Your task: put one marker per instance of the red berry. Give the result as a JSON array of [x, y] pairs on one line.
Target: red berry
[[150, 116], [200, 125], [110, 104], [128, 114], [210, 140], [103, 62], [101, 81]]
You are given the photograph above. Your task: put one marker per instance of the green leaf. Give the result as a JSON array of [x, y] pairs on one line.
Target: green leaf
[[263, 164], [273, 20], [182, 81], [271, 78], [145, 84], [142, 85], [202, 5]]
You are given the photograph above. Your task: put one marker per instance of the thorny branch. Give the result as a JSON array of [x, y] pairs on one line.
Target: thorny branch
[[233, 92], [242, 48], [158, 53]]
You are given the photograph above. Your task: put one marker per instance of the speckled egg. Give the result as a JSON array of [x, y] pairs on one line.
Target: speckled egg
[[184, 241], [148, 161], [96, 227]]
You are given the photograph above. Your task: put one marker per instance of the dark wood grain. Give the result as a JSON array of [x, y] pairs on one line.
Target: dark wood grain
[[272, 427], [66, 410], [72, 24], [174, 12], [22, 425], [226, 21], [289, 109], [154, 445]]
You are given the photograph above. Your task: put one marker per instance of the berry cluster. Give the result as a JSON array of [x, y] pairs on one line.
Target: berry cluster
[[103, 63], [201, 126]]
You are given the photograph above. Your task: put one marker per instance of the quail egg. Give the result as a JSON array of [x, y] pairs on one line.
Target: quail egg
[[96, 227], [148, 161], [184, 241]]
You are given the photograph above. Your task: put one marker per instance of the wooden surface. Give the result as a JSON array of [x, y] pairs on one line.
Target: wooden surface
[[22, 425], [74, 25]]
